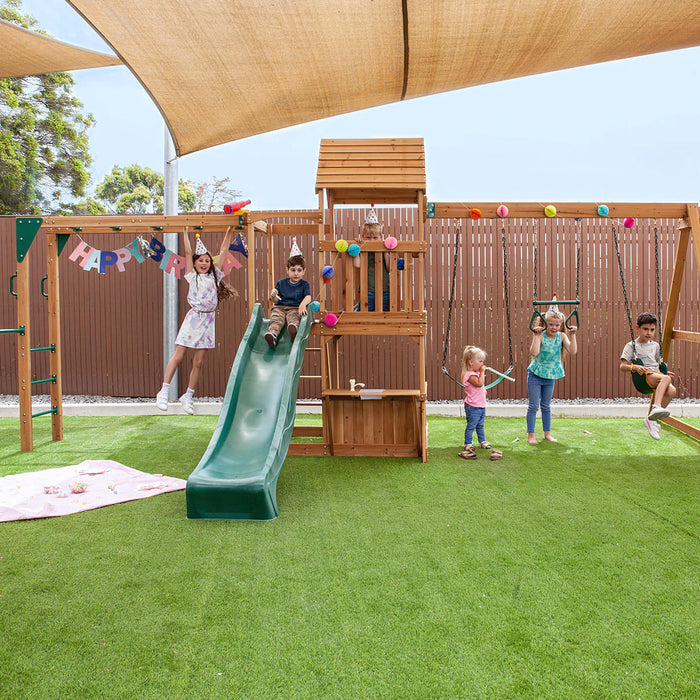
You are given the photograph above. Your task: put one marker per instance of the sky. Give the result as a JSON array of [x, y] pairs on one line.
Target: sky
[[625, 131]]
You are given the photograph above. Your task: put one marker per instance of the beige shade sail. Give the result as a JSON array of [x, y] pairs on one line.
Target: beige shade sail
[[222, 70], [28, 53]]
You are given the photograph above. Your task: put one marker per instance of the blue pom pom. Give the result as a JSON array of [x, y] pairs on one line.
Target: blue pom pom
[[603, 210], [353, 250], [315, 306], [328, 272]]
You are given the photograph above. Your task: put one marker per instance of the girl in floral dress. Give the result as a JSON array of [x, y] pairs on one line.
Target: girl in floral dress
[[198, 329]]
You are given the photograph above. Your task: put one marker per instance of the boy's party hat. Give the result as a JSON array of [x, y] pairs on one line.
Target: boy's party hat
[[200, 248], [372, 216], [295, 248]]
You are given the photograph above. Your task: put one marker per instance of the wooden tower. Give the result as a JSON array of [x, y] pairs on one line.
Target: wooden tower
[[372, 421]]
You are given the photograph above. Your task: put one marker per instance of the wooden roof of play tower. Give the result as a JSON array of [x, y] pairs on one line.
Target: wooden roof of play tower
[[379, 171]]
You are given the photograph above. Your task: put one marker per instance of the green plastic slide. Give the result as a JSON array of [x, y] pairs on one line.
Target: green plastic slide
[[236, 479]]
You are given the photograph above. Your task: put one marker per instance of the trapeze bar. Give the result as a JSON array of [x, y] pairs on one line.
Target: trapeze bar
[[551, 302], [51, 347], [19, 330], [51, 379], [44, 413]]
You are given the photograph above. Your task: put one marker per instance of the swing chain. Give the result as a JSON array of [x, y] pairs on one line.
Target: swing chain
[[458, 233], [624, 288], [506, 294], [658, 279]]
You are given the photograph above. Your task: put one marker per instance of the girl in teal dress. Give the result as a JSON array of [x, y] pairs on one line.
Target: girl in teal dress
[[545, 368]]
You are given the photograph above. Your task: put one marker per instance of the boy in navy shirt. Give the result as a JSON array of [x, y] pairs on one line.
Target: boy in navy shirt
[[292, 295]]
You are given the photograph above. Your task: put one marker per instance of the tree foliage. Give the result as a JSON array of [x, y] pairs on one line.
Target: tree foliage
[[136, 189], [44, 150], [212, 195]]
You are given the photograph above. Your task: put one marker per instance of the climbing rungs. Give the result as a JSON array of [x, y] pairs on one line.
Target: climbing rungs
[[19, 330], [51, 347], [51, 379], [44, 413]]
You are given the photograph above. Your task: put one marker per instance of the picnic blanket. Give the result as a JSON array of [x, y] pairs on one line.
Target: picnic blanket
[[93, 483]]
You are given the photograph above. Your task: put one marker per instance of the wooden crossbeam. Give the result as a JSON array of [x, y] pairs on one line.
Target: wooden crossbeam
[[566, 210]]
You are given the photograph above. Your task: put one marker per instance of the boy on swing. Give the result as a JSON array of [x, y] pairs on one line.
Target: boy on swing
[[646, 349]]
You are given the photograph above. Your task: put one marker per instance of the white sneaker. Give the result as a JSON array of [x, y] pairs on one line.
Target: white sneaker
[[162, 398], [652, 427], [187, 403], [657, 413]]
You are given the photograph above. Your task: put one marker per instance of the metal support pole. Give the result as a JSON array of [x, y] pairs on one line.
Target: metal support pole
[[170, 206]]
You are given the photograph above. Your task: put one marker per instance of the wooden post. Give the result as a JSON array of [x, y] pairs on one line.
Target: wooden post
[[24, 356], [52, 271], [251, 268]]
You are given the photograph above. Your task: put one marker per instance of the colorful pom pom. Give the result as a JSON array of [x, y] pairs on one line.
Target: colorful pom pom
[[353, 250], [628, 222], [390, 242], [315, 306], [502, 211], [330, 320], [550, 210], [328, 272], [341, 246], [603, 210], [475, 214]]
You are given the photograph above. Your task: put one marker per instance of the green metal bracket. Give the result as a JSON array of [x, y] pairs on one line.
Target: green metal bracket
[[43, 291], [44, 413], [116, 228], [26, 229], [51, 347], [12, 284], [430, 212], [51, 379], [198, 228], [61, 240], [157, 228]]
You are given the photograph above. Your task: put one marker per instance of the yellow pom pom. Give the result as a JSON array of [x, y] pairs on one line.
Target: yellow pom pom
[[550, 210], [341, 246]]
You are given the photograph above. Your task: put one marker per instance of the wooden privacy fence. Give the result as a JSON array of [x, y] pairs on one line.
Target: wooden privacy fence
[[112, 323]]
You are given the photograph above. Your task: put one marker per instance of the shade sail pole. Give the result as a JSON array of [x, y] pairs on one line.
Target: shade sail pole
[[170, 207]]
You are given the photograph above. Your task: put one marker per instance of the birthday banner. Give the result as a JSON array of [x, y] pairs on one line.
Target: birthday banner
[[171, 263]]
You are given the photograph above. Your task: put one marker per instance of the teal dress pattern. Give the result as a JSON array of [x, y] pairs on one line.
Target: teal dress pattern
[[547, 363]]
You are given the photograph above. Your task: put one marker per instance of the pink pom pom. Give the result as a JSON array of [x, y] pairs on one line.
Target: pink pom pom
[[390, 242], [628, 222], [502, 211], [330, 320]]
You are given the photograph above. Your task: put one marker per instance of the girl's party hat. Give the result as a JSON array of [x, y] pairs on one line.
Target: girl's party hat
[[553, 306], [295, 248], [200, 248], [372, 216]]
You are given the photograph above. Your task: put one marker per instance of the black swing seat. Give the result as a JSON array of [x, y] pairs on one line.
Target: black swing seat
[[640, 380]]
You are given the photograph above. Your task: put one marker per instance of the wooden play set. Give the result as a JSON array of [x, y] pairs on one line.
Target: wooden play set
[[362, 422]]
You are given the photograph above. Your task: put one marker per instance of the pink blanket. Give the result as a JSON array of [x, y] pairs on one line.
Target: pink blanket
[[90, 484]]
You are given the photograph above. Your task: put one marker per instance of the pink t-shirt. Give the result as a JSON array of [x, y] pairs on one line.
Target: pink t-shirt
[[473, 395]]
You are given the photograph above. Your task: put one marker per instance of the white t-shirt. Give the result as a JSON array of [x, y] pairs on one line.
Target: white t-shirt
[[649, 353]]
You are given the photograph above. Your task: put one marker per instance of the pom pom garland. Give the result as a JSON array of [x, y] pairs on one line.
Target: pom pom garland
[[353, 250], [502, 211], [330, 320], [328, 272], [390, 242], [341, 246], [475, 214], [550, 210], [628, 222], [603, 210], [315, 306]]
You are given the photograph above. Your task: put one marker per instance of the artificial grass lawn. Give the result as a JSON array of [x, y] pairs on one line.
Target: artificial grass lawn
[[562, 571]]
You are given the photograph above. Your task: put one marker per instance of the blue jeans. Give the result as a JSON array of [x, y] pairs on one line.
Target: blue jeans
[[539, 395], [475, 421], [370, 302]]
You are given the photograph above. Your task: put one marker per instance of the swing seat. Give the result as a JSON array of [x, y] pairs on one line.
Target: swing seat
[[640, 380]]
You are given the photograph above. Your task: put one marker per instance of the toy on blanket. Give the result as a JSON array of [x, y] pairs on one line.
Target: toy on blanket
[[79, 488]]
